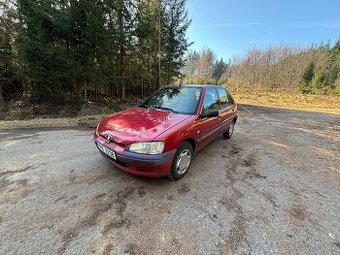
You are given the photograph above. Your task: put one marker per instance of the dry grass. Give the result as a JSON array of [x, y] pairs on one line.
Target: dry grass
[[289, 100], [22, 116], [83, 121], [282, 99]]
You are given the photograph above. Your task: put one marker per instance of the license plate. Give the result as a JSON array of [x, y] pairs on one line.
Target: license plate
[[106, 151]]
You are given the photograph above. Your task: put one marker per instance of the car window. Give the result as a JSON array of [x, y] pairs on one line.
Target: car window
[[224, 97], [211, 100], [182, 100]]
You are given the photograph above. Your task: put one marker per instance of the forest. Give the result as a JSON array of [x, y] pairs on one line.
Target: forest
[[61, 52], [313, 70]]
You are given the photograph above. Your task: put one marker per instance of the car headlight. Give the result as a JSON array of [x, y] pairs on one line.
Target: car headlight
[[147, 148]]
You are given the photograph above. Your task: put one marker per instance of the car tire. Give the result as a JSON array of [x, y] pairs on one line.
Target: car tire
[[181, 161], [228, 134]]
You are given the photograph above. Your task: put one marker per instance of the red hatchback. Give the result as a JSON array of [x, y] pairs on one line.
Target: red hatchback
[[160, 137]]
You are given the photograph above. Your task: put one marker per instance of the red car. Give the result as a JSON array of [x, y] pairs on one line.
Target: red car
[[160, 137]]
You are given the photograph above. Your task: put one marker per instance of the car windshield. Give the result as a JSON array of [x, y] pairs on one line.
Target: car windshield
[[182, 100]]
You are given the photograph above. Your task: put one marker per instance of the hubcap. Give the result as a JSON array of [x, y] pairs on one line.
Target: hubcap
[[183, 161], [231, 129]]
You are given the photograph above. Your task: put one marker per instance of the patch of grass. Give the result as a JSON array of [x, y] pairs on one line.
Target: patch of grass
[[87, 117], [288, 99], [83, 121]]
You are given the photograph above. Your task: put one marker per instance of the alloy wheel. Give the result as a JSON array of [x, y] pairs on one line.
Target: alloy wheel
[[231, 129], [183, 161]]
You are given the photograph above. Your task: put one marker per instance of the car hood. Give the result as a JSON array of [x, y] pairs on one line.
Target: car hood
[[138, 124]]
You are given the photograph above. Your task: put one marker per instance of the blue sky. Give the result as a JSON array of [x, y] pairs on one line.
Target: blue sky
[[230, 27]]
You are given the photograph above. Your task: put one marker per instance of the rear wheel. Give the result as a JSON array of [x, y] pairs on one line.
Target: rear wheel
[[181, 162], [230, 131]]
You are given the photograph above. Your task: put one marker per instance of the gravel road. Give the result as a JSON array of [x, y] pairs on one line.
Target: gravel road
[[274, 188]]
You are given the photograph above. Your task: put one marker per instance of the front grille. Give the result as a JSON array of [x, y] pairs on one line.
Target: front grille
[[112, 141]]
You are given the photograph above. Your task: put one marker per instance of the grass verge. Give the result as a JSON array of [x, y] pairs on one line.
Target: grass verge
[[289, 100], [83, 122], [281, 99]]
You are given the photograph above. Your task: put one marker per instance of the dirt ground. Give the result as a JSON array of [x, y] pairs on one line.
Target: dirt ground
[[274, 188]]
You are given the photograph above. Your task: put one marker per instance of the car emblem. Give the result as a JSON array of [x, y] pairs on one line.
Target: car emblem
[[108, 139]]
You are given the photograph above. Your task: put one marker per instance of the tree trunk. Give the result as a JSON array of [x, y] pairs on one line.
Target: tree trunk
[[123, 90], [2, 100], [142, 86], [85, 89]]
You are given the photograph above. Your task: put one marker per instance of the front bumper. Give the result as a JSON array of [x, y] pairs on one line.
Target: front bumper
[[138, 164], [147, 160]]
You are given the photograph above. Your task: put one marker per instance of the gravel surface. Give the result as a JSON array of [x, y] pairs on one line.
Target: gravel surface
[[274, 188]]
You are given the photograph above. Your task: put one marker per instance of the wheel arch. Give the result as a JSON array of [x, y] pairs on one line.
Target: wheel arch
[[192, 142]]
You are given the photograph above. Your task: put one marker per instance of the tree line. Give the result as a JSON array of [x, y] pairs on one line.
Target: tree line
[[204, 68], [59, 51], [312, 70]]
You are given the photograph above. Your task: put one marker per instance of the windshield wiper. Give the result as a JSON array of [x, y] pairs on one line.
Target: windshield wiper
[[165, 109]]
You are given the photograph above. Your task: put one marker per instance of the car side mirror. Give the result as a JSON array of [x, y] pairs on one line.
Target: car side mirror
[[210, 114]]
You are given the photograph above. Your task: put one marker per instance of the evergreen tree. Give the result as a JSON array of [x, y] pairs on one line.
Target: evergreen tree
[[319, 83], [8, 58], [71, 48], [333, 70], [146, 57], [175, 43], [306, 79], [218, 70], [190, 68], [46, 61]]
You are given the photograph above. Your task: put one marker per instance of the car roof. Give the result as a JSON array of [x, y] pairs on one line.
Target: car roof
[[193, 85]]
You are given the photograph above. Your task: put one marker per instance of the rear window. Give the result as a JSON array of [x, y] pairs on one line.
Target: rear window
[[224, 97], [211, 100]]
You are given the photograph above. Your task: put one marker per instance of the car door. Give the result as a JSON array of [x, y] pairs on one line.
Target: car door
[[208, 127], [227, 109]]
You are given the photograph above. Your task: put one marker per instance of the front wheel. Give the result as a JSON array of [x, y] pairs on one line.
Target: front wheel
[[181, 162], [230, 131]]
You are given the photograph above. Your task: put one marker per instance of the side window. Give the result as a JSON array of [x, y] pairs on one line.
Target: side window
[[224, 97], [211, 101]]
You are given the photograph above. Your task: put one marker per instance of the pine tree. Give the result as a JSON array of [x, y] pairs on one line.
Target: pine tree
[[8, 58], [45, 59], [175, 43], [306, 79], [62, 46], [190, 68], [218, 70], [70, 48], [333, 70], [5, 63], [147, 55], [319, 84]]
